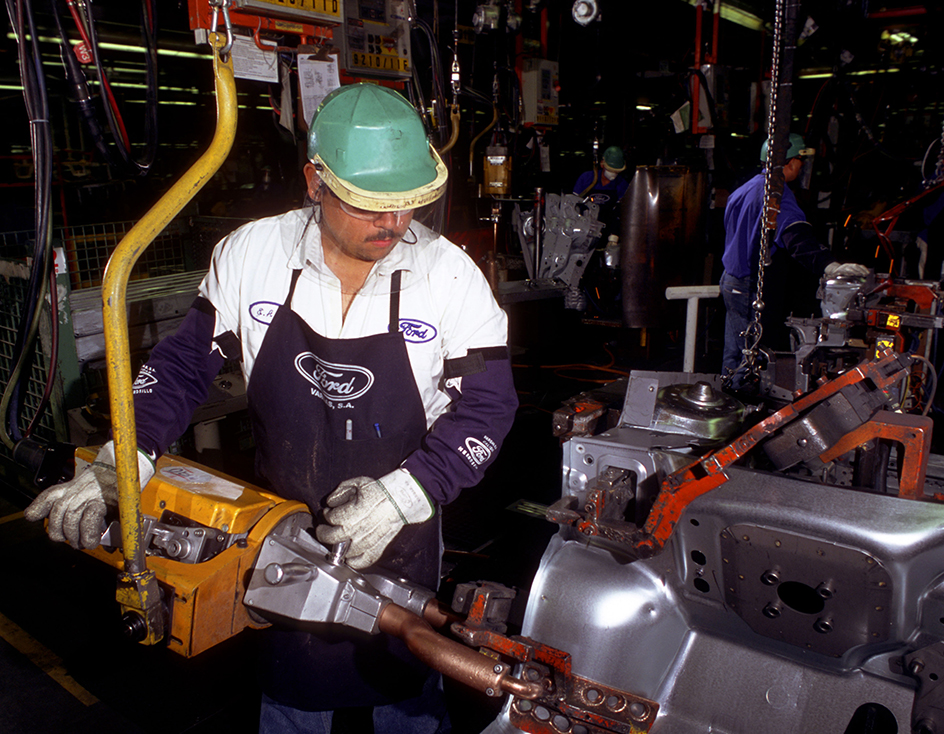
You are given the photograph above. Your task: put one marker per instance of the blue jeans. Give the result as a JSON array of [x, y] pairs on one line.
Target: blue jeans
[[425, 714], [738, 296]]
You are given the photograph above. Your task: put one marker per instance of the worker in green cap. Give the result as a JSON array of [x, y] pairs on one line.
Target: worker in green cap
[[605, 180], [379, 386], [605, 186], [794, 236]]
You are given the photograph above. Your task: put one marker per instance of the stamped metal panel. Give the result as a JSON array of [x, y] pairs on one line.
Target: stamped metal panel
[[668, 628]]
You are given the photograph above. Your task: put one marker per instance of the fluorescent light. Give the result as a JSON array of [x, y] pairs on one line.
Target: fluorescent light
[[164, 102], [125, 47], [643, 107], [862, 72], [736, 15]]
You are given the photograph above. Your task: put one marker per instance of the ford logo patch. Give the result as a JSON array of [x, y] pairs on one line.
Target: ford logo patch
[[263, 311], [334, 381], [416, 331]]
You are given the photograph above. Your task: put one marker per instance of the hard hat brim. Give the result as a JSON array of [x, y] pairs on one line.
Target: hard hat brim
[[384, 201]]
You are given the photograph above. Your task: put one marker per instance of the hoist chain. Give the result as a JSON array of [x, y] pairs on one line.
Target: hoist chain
[[754, 331]]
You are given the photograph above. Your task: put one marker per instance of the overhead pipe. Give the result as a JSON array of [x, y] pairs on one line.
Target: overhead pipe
[[137, 588]]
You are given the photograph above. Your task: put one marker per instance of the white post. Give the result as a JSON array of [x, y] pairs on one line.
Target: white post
[[692, 294]]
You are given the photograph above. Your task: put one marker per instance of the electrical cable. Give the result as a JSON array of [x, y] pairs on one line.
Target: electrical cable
[[37, 107], [78, 81], [112, 113], [53, 355], [932, 375]]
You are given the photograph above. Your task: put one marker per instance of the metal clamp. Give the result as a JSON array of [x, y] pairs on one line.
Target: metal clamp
[[297, 577], [223, 5]]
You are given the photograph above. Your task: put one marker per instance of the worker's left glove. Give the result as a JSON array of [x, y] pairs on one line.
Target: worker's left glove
[[370, 512], [849, 270], [76, 509]]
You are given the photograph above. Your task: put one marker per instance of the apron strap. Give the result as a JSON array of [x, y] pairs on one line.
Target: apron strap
[[394, 326], [291, 288]]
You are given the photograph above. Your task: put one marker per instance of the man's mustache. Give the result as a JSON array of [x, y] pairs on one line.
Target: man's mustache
[[385, 234]]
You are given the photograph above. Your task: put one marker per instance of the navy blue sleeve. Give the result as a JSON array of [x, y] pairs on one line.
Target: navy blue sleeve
[[798, 239], [462, 443], [583, 181], [175, 380]]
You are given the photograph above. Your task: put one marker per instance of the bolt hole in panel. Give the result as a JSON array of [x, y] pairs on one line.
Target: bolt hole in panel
[[776, 580]]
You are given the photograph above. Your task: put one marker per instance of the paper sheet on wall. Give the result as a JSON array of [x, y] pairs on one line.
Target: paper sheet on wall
[[315, 80], [251, 62], [287, 118]]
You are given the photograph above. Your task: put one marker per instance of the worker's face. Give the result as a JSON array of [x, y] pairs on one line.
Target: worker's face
[[350, 236], [791, 169]]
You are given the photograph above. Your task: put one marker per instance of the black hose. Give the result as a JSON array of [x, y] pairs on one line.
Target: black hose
[[37, 107], [111, 113], [78, 82]]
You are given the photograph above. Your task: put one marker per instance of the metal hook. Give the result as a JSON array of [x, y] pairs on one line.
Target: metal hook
[[228, 46], [214, 22]]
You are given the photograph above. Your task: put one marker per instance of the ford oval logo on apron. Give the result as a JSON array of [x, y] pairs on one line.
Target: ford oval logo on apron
[[334, 381]]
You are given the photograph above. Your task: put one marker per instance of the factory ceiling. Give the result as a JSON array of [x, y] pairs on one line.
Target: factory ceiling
[[622, 77]]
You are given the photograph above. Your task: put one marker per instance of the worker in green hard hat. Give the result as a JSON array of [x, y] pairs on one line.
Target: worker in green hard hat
[[794, 235], [378, 383], [607, 181]]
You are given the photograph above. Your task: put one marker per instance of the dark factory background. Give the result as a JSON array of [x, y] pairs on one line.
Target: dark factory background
[[545, 86]]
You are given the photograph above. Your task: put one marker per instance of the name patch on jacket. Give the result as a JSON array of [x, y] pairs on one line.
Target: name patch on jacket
[[145, 380], [334, 383], [263, 311], [416, 331]]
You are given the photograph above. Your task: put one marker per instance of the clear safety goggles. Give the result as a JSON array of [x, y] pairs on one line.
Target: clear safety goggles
[[366, 215]]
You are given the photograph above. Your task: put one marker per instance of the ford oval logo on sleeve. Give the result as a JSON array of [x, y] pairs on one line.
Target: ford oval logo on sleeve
[[263, 311], [334, 381], [416, 331]]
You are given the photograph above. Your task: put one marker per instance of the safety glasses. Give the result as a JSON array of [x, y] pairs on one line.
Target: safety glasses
[[366, 215]]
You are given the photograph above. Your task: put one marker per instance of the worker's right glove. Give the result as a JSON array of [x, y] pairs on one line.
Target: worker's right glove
[[849, 270], [370, 512], [76, 509]]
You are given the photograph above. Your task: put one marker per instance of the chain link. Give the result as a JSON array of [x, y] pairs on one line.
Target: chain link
[[755, 331]]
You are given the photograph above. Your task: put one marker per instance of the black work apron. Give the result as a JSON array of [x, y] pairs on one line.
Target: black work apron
[[325, 410]]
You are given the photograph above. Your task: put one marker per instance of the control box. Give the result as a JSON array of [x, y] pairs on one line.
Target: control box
[[539, 88], [377, 38]]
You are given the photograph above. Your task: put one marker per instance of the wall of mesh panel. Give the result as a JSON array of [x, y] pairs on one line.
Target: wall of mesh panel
[[13, 287], [185, 245]]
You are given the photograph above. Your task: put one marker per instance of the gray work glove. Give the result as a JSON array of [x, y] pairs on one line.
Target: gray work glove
[[76, 509], [370, 512], [849, 270]]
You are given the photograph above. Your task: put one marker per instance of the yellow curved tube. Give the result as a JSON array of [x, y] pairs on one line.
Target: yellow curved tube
[[114, 292], [477, 137], [455, 117]]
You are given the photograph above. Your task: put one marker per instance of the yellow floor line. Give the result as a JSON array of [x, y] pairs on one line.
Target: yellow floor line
[[44, 659], [11, 518]]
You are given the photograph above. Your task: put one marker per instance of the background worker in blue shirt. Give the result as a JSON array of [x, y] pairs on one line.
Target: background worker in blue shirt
[[605, 187], [742, 227]]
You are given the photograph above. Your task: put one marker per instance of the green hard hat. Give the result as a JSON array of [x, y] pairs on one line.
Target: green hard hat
[[797, 147], [369, 147], [613, 159]]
